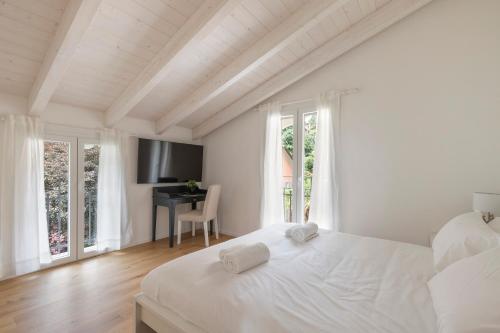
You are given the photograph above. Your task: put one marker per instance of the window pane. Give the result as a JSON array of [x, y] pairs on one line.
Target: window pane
[[56, 179], [309, 141], [91, 168], [287, 139]]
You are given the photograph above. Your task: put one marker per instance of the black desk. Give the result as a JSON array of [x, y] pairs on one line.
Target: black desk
[[170, 196]]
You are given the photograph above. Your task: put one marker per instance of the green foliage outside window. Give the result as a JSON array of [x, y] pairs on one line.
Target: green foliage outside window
[[287, 136], [56, 168], [91, 168], [56, 182]]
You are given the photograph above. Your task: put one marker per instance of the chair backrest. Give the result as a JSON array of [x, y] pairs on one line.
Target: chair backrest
[[211, 202]]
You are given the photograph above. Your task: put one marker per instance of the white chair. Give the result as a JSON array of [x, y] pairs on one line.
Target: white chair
[[208, 213]]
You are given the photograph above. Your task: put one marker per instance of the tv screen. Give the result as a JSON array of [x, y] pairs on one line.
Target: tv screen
[[168, 162]]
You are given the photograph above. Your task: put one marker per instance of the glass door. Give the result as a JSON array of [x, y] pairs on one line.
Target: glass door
[[289, 169], [308, 121], [298, 132], [60, 196], [88, 170], [70, 177]]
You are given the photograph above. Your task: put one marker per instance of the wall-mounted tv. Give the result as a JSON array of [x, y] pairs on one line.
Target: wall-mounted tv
[[168, 162]]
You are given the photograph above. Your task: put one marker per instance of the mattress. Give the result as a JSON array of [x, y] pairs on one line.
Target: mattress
[[334, 283]]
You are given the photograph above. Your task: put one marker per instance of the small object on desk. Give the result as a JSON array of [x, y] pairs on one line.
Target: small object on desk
[[192, 186]]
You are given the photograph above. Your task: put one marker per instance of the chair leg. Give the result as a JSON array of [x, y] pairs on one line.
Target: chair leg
[[193, 228], [179, 231], [205, 230], [216, 225]]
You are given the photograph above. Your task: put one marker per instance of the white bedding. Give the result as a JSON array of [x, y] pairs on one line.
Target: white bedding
[[333, 283]]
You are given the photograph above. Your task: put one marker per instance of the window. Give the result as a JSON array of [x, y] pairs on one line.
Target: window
[[298, 131], [57, 195], [70, 177], [90, 174], [309, 135], [288, 142]]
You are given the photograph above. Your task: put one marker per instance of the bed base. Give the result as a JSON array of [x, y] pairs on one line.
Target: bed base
[[149, 319]]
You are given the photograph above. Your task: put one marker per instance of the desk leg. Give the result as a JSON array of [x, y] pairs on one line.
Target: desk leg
[[154, 223], [171, 223]]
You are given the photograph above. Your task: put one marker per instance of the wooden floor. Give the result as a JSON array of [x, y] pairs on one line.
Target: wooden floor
[[93, 295]]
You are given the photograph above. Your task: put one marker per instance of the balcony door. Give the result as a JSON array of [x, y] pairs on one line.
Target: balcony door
[[70, 181], [60, 169], [88, 167], [298, 131]]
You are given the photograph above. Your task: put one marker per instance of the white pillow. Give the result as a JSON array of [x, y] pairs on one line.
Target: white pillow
[[466, 295], [463, 236]]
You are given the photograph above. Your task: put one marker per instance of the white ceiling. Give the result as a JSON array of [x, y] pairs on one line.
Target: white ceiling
[[124, 36]]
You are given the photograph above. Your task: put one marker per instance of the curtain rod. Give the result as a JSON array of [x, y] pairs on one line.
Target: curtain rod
[[343, 92]]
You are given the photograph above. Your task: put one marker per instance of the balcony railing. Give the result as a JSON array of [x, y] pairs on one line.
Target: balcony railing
[[57, 219], [90, 219], [288, 201]]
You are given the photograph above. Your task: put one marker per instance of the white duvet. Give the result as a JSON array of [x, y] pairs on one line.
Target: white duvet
[[333, 283]]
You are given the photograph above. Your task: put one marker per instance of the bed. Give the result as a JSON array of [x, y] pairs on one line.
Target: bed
[[334, 283]]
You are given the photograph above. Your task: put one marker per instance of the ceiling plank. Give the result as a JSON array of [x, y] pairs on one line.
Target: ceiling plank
[[201, 23], [75, 21], [368, 27], [283, 35]]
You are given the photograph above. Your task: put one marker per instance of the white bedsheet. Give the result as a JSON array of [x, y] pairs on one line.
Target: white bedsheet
[[333, 283]]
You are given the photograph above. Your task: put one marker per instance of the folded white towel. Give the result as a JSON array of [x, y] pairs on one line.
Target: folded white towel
[[223, 252], [288, 232], [302, 232], [240, 260], [308, 238]]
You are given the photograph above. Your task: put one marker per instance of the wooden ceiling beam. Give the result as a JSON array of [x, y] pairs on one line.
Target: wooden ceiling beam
[[75, 21], [368, 27], [283, 35], [201, 23]]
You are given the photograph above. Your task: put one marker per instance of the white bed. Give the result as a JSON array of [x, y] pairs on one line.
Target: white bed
[[334, 283]]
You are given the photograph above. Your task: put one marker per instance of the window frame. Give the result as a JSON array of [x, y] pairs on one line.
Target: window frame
[[78, 138], [73, 195], [297, 111], [92, 251]]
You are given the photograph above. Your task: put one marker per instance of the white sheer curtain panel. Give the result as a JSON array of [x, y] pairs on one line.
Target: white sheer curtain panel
[[272, 210], [114, 230], [324, 208], [24, 241]]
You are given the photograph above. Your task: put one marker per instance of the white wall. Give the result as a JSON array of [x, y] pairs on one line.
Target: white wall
[[419, 138], [73, 121], [232, 156]]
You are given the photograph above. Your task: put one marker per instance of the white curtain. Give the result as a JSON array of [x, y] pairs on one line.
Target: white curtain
[[272, 210], [24, 242], [114, 230], [324, 208]]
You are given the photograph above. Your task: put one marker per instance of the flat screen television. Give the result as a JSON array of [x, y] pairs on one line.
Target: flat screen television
[[168, 162]]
